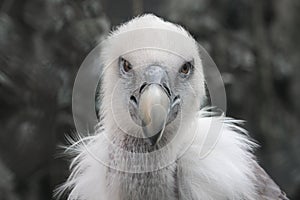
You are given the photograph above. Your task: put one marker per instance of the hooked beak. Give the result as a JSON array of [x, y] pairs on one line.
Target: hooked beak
[[155, 105]]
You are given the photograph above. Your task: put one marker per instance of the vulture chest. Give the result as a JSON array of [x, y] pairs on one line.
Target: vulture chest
[[161, 184]]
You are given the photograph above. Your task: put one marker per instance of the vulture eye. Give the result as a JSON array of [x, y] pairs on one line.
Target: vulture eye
[[185, 68], [125, 65]]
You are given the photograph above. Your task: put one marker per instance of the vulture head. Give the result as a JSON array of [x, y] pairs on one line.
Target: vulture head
[[152, 81]]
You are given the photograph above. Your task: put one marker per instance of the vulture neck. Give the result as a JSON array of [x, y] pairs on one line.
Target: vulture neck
[[158, 184]]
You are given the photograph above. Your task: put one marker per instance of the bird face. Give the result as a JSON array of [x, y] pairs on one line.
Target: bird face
[[153, 85], [153, 103], [153, 94]]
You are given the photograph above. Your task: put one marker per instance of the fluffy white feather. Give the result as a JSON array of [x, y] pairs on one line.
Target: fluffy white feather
[[225, 173]]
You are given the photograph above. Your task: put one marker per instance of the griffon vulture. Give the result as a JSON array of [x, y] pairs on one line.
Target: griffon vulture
[[153, 126]]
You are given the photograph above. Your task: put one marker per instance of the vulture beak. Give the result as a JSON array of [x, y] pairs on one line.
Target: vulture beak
[[154, 107], [155, 103]]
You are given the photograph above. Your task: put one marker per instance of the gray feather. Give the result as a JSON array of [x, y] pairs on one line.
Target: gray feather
[[267, 188]]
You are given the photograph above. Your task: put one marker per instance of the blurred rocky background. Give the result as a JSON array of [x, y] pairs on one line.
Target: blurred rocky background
[[255, 44]]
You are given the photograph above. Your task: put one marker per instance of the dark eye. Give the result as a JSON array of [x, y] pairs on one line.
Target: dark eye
[[126, 66], [185, 68]]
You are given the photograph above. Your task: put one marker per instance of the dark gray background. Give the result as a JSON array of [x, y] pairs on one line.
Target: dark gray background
[[255, 44]]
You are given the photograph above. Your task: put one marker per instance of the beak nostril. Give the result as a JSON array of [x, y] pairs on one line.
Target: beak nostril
[[142, 87], [176, 98], [133, 99], [167, 89]]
